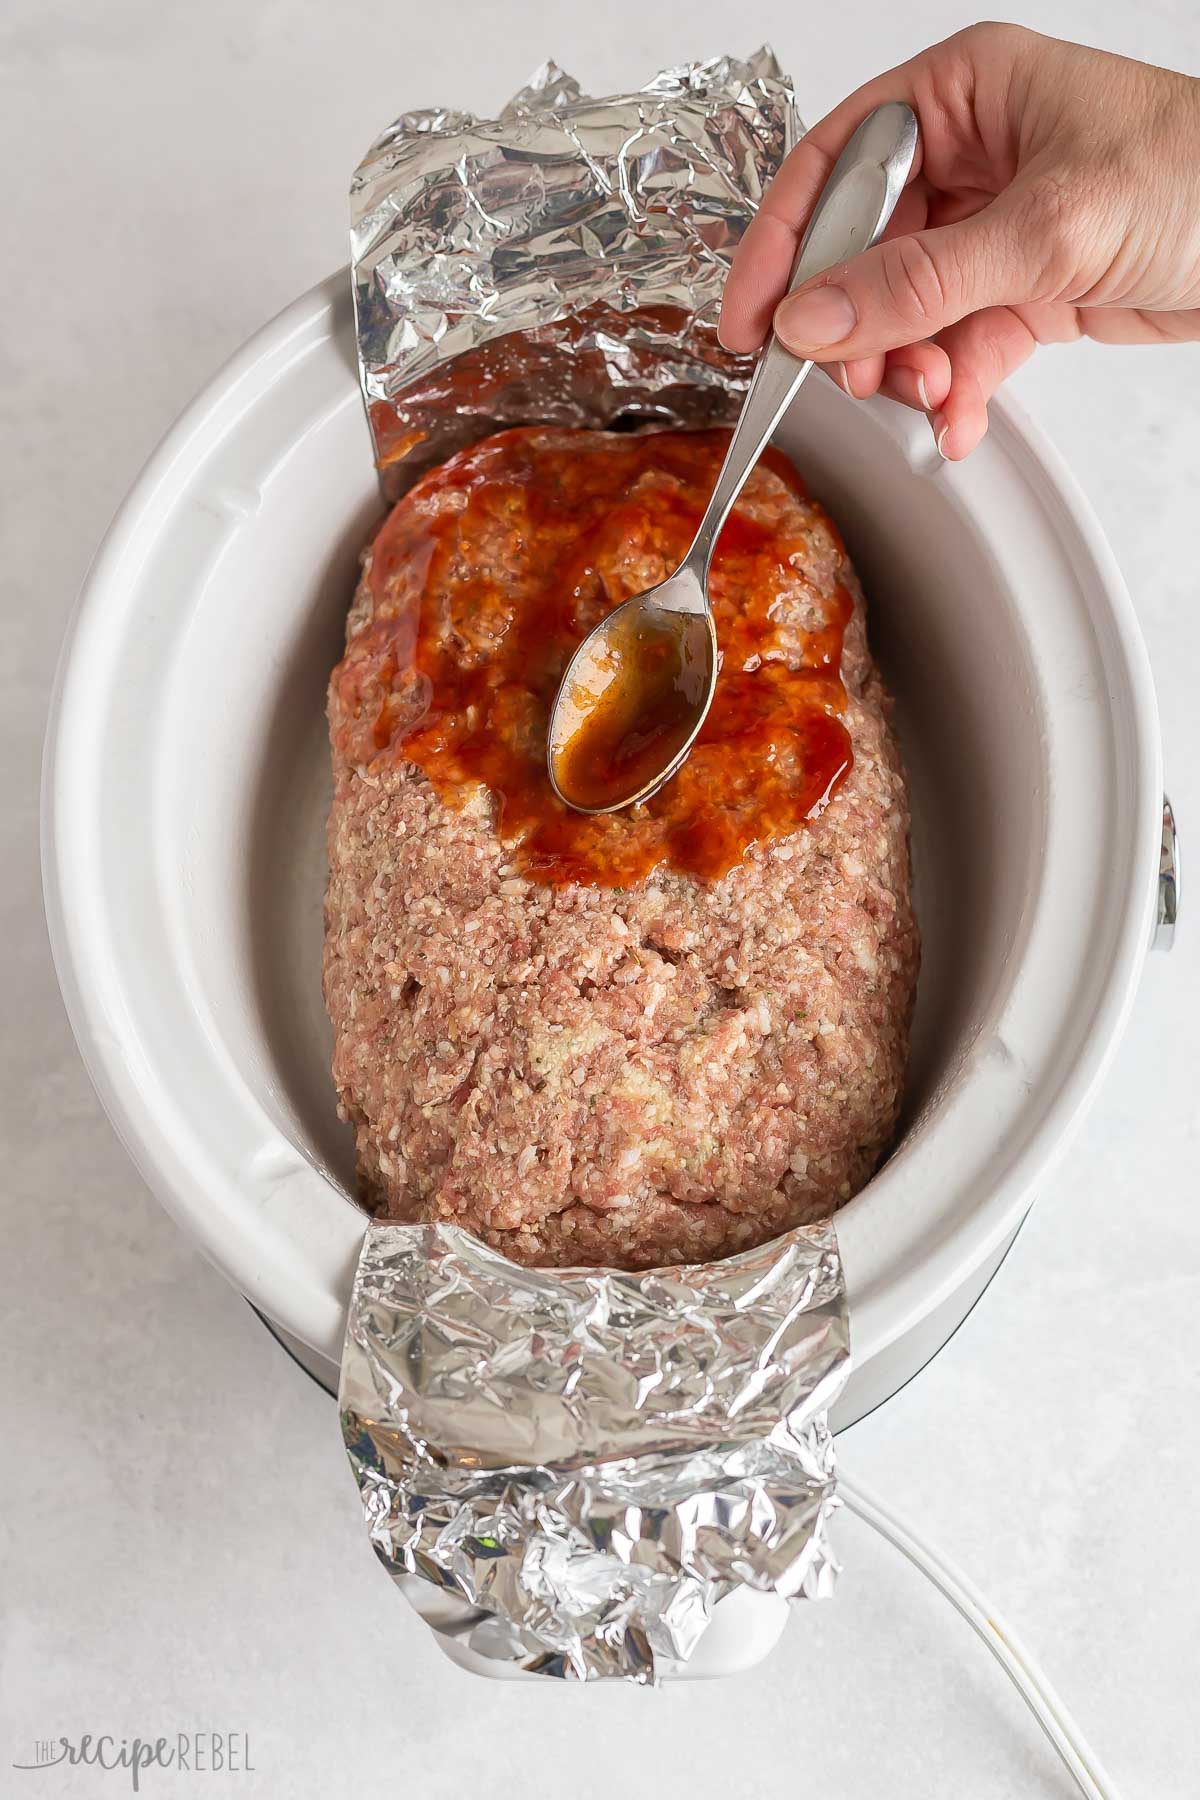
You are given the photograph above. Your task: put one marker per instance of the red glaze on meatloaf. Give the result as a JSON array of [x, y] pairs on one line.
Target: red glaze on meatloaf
[[656, 1037]]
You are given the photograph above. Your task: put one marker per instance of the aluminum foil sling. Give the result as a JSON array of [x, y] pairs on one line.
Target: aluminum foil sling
[[582, 1464]]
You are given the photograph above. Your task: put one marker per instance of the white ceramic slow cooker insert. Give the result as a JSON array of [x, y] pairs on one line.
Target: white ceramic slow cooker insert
[[187, 780]]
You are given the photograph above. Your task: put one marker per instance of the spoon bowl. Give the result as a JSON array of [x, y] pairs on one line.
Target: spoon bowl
[[634, 697]]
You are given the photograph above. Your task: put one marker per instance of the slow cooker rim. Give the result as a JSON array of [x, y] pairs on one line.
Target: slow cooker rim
[[112, 1061]]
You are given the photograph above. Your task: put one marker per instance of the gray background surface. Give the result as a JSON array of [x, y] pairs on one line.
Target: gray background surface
[[180, 1544]]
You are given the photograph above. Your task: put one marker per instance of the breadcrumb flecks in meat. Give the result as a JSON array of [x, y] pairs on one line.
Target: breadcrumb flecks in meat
[[664, 1073]]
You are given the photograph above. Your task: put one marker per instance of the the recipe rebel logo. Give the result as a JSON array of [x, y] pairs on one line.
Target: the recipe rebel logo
[[192, 1752]]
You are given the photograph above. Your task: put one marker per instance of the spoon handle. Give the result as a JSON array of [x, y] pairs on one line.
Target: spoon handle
[[855, 205]]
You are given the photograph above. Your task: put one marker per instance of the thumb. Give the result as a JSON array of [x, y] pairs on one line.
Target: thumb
[[906, 289]]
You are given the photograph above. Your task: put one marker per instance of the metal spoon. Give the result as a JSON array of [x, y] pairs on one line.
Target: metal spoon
[[611, 742]]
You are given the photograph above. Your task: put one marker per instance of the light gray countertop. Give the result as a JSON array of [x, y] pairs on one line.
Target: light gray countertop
[[180, 1542]]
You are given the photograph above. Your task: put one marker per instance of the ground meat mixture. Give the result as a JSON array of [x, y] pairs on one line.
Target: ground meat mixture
[[651, 1037]]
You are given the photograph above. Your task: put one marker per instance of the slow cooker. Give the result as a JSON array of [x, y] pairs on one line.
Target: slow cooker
[[186, 784]]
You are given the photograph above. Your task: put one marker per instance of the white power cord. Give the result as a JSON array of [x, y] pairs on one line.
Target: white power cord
[[1003, 1643]]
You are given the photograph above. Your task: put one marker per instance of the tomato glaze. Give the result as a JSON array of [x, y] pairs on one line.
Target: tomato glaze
[[487, 575]]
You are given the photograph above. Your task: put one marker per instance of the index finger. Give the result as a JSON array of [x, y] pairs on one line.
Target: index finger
[[762, 263]]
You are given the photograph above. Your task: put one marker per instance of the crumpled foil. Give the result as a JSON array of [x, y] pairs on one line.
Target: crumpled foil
[[590, 1461], [561, 264], [568, 1471]]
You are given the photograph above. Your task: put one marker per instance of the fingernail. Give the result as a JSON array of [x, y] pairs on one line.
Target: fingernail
[[940, 428], [908, 387], [808, 322], [843, 380]]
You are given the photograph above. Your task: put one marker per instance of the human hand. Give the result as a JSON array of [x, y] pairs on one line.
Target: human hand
[[1055, 195]]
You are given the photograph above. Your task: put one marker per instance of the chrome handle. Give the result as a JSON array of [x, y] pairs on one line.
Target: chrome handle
[[1168, 881], [855, 205]]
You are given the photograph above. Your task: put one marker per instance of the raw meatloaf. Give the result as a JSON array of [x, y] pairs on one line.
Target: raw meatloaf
[[656, 1037]]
